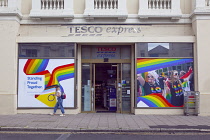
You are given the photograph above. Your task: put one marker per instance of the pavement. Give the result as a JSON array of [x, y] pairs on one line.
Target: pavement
[[104, 122]]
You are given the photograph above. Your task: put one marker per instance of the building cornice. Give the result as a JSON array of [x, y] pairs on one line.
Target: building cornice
[[199, 14], [10, 14], [80, 19]]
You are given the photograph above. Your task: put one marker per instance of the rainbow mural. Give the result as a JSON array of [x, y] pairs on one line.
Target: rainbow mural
[[59, 73], [145, 65], [155, 100]]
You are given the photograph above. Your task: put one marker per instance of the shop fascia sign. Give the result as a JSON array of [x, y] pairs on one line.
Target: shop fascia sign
[[104, 30]]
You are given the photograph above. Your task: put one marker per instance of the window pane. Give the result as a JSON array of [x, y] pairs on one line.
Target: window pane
[[86, 87], [46, 50], [126, 87], [164, 50]]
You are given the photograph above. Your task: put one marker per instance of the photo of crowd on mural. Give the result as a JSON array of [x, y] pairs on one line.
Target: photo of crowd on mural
[[165, 86]]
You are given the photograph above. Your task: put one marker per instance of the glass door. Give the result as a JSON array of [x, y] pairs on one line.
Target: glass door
[[113, 85], [87, 87], [119, 89], [124, 88]]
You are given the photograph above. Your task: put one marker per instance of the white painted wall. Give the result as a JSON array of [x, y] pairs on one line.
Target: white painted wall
[[202, 34], [8, 61]]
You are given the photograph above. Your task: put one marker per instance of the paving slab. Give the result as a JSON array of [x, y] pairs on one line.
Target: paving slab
[[104, 122]]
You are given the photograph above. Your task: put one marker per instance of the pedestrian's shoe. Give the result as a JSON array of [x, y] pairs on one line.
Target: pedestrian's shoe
[[62, 115], [52, 114]]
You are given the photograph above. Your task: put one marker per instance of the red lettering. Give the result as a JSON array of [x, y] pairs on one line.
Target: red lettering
[[103, 49], [114, 49]]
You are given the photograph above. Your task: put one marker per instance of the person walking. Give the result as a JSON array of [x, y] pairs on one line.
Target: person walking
[[59, 101]]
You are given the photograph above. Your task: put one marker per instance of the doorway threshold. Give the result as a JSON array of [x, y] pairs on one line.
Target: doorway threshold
[[106, 111]]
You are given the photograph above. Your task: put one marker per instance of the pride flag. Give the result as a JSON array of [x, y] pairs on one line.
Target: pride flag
[[145, 65], [185, 84]]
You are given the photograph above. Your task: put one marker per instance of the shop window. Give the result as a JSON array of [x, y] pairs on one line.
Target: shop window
[[46, 50], [41, 67], [164, 73]]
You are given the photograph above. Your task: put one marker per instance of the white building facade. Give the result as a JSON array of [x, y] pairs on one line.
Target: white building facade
[[106, 55]]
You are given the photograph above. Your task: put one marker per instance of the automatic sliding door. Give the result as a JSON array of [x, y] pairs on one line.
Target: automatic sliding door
[[126, 88], [87, 90]]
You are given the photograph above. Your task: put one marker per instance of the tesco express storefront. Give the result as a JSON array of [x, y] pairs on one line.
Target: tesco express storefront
[[140, 69]]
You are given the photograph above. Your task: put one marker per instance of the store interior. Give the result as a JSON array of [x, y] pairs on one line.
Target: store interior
[[105, 81]]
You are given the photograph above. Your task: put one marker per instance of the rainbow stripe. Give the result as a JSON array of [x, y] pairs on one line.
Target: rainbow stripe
[[155, 100], [61, 73], [35, 65], [145, 65], [50, 90]]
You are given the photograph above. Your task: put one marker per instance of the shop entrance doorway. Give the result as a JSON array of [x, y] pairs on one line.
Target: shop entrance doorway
[[106, 87]]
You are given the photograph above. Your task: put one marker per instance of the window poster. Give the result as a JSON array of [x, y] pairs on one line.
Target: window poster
[[37, 80], [162, 82]]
